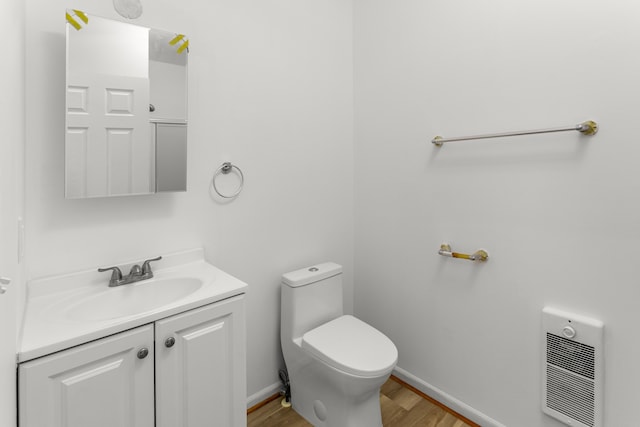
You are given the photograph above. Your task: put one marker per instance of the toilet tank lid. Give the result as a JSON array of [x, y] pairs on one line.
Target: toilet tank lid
[[312, 274]]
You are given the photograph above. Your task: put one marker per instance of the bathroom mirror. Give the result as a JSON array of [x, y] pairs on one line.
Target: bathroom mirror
[[126, 108]]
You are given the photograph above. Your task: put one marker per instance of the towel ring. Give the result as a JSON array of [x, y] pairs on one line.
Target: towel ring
[[225, 168]]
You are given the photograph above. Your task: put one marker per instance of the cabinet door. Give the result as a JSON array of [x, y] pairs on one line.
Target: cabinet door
[[100, 384], [200, 378]]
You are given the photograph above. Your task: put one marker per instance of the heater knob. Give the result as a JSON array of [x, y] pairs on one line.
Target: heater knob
[[568, 332]]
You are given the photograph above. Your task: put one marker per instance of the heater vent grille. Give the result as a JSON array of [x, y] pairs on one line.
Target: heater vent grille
[[572, 368], [571, 355], [571, 395]]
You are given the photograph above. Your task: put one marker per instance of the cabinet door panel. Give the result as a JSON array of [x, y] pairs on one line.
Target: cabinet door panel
[[99, 384], [200, 380]]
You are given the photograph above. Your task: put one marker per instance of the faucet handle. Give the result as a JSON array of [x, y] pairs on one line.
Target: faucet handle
[[135, 271], [115, 276], [146, 267]]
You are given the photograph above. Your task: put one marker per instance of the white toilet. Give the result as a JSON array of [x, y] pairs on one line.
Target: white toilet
[[336, 362]]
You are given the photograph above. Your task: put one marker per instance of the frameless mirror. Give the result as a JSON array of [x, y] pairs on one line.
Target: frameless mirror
[[126, 108]]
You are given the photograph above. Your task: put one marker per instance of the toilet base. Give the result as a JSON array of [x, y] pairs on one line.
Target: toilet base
[[329, 398], [328, 414]]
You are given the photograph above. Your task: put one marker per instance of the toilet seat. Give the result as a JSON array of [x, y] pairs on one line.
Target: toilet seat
[[352, 346]]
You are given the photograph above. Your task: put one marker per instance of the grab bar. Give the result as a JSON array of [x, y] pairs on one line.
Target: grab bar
[[587, 128], [480, 255]]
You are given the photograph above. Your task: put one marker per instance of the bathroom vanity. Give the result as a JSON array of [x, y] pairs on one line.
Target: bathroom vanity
[[173, 356]]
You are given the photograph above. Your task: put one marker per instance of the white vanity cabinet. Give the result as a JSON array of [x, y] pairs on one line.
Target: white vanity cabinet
[[102, 383], [193, 376]]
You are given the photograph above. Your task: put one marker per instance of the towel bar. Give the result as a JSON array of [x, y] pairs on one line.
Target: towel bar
[[587, 128]]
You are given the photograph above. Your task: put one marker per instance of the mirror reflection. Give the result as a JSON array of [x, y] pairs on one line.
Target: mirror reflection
[[126, 108]]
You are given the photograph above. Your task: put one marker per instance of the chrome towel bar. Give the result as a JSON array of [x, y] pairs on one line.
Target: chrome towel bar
[[480, 255], [587, 128]]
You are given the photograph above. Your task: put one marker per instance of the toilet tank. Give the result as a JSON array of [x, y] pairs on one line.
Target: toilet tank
[[310, 297]]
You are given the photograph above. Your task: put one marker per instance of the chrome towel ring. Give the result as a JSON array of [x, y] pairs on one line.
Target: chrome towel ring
[[225, 168]]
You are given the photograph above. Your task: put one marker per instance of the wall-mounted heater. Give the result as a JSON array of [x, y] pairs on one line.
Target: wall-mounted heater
[[572, 383]]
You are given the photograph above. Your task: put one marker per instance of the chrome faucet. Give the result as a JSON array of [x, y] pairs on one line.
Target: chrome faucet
[[136, 274]]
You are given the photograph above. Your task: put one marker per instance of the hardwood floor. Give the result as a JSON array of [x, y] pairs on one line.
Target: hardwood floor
[[401, 404]]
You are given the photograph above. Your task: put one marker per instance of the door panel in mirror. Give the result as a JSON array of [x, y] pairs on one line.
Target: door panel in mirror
[[108, 146]]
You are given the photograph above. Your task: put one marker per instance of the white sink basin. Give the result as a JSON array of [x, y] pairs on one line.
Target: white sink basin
[[70, 309], [134, 298]]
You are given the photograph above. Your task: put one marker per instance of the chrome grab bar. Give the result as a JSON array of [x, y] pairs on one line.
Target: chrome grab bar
[[480, 255]]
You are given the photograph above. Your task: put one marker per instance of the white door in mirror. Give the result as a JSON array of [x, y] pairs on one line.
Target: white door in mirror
[[115, 162], [108, 144]]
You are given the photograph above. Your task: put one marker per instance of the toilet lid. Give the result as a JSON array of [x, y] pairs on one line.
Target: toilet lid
[[352, 346]]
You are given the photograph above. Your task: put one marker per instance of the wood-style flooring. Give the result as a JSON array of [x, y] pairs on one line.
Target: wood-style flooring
[[401, 405]]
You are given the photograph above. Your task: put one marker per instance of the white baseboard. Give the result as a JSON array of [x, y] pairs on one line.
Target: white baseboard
[[447, 400], [263, 394]]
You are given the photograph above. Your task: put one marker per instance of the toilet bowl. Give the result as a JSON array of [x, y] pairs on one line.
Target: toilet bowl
[[336, 362]]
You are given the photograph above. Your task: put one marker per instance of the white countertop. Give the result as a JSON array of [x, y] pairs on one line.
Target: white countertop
[[50, 324]]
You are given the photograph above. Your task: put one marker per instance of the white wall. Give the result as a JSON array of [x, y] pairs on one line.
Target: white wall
[[270, 90], [558, 213], [11, 156]]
